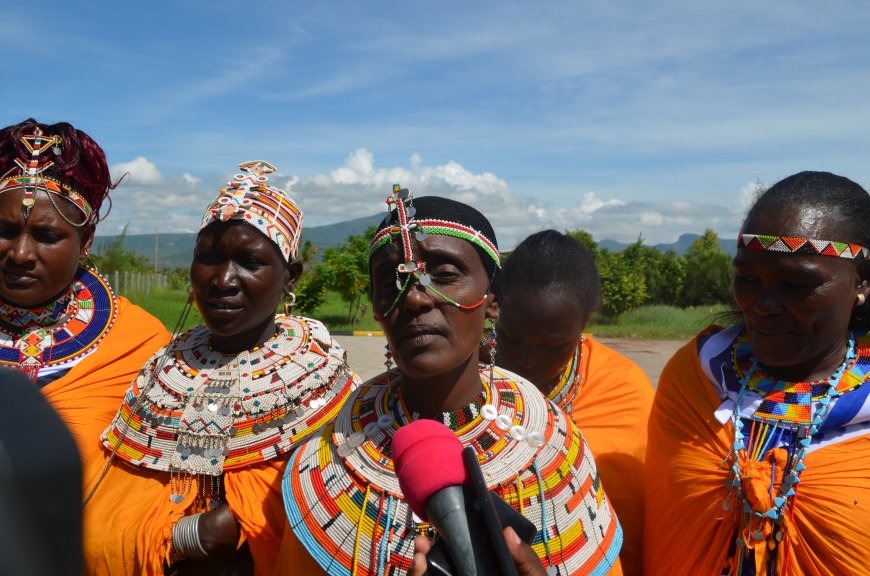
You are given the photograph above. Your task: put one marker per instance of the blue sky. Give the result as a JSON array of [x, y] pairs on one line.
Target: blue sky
[[622, 118]]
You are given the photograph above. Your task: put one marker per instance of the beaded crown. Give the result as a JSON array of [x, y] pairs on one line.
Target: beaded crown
[[248, 197], [33, 175]]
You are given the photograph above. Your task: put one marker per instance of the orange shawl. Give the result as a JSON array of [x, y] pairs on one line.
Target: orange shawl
[[87, 397], [686, 529], [611, 409]]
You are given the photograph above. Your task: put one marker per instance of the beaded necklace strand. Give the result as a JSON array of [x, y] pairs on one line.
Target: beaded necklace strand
[[768, 433], [565, 391]]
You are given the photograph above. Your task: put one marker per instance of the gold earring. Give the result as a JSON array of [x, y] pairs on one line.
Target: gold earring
[[861, 299]]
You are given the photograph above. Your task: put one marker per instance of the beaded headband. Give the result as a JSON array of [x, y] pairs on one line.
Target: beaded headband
[[809, 246], [33, 178], [249, 198], [411, 268]]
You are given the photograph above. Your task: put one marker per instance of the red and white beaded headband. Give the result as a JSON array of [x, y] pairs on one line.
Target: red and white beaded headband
[[32, 178], [808, 246]]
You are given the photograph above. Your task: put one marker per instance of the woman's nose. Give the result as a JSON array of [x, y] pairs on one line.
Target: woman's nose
[[226, 276], [22, 250]]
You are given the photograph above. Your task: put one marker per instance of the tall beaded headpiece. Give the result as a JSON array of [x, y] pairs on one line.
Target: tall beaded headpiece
[[395, 234], [249, 198], [34, 176], [809, 246]]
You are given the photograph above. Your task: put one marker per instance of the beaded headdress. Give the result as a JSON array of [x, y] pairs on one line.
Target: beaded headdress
[[407, 217], [34, 176], [810, 246], [248, 197]]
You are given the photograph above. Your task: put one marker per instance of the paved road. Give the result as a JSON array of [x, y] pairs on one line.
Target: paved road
[[366, 353]]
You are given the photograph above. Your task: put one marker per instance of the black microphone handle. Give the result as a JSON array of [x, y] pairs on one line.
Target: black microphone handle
[[451, 510]]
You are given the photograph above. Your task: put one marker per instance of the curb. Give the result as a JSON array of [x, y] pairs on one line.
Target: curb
[[357, 333]]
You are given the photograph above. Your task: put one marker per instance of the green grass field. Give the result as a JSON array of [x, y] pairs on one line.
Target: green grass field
[[650, 322], [661, 322]]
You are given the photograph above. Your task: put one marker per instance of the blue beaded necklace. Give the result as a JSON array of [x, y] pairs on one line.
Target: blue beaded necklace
[[801, 433]]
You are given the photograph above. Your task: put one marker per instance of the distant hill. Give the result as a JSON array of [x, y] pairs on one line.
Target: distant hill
[[176, 250], [728, 246]]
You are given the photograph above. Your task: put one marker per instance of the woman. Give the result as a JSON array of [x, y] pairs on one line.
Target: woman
[[550, 289], [433, 265], [198, 446], [59, 322], [759, 453]]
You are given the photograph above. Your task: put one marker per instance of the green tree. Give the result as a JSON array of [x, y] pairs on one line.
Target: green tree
[[623, 285], [345, 269], [662, 271], [585, 238], [707, 272], [111, 255]]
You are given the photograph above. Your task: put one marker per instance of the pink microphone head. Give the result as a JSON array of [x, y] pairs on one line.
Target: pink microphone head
[[427, 457]]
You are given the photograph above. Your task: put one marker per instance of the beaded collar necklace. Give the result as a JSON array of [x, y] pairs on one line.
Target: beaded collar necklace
[[783, 417], [565, 391], [17, 317], [59, 332], [457, 418]]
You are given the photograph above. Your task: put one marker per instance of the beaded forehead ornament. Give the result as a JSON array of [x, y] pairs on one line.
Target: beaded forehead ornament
[[412, 268], [33, 177], [249, 198], [811, 246]]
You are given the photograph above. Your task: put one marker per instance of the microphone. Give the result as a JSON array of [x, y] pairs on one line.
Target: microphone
[[443, 484]]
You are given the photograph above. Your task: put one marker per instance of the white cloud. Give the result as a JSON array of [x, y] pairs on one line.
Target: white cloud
[[359, 187], [141, 172], [190, 179]]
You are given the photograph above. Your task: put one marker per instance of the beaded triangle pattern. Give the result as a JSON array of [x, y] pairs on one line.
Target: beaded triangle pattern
[[809, 246], [88, 314], [194, 410], [345, 506], [791, 402]]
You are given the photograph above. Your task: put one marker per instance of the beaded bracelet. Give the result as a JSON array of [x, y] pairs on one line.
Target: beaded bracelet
[[185, 537]]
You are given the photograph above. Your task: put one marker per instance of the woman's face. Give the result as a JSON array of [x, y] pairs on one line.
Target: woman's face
[[238, 278], [796, 308], [537, 333], [39, 257], [428, 335]]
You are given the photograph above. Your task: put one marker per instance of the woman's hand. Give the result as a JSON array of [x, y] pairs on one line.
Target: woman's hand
[[525, 559], [219, 530]]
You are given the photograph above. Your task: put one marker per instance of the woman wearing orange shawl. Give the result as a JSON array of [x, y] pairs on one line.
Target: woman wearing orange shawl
[[759, 452], [197, 448], [550, 289], [59, 322]]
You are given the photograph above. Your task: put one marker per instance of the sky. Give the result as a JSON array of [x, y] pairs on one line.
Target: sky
[[622, 118]]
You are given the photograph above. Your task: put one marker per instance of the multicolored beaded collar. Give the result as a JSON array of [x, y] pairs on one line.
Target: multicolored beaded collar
[[60, 332], [783, 425], [345, 506], [810, 246], [411, 268], [249, 197], [565, 391], [33, 177], [194, 411]]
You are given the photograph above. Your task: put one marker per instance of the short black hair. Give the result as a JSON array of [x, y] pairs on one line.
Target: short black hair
[[549, 260], [836, 195]]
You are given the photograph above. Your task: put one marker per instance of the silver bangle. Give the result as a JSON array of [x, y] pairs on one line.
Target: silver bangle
[[185, 537]]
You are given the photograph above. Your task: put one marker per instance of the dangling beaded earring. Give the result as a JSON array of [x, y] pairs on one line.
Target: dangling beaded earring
[[492, 344], [388, 354], [289, 303]]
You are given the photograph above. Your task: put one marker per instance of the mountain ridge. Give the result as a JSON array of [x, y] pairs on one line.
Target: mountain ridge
[[175, 250]]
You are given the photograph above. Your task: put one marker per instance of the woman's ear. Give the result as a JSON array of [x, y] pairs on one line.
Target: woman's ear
[[492, 308], [86, 235], [294, 272]]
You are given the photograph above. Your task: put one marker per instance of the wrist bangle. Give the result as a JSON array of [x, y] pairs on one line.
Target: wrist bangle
[[185, 537]]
